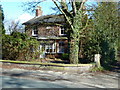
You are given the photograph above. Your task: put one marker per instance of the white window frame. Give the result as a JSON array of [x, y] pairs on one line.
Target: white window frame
[[33, 31], [49, 46], [60, 29]]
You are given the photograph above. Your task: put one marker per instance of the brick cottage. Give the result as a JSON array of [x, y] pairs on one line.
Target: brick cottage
[[50, 31]]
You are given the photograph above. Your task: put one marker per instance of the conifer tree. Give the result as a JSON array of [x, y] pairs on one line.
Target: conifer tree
[[1, 20], [106, 34]]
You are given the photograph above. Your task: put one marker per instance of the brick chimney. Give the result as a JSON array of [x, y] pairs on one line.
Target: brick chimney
[[38, 11]]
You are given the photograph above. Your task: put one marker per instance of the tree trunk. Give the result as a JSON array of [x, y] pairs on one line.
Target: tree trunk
[[81, 50], [74, 50]]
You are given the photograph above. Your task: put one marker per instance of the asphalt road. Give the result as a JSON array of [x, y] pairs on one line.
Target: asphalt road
[[15, 82], [21, 78]]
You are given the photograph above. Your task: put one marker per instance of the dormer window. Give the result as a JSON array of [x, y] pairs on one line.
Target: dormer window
[[35, 31], [62, 31]]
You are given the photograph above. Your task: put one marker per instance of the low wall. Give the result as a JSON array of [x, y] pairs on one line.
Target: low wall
[[53, 66], [71, 68]]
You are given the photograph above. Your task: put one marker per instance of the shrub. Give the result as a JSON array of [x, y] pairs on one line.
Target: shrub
[[65, 56], [96, 69], [18, 46]]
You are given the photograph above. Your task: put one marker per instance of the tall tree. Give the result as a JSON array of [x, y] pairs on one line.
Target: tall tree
[[106, 34], [2, 31], [1, 20], [73, 18]]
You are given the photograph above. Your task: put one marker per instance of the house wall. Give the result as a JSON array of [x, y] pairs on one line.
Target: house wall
[[48, 31], [44, 30], [65, 45], [28, 30]]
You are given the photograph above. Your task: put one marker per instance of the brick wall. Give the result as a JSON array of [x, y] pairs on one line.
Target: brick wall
[[28, 30], [48, 30], [43, 30]]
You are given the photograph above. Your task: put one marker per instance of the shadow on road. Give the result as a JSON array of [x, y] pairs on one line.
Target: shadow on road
[[16, 74], [116, 67], [12, 82]]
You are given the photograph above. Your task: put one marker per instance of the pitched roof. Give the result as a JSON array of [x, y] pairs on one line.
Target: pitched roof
[[46, 19]]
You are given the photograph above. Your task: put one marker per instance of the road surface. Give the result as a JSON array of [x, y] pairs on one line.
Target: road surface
[[15, 82], [21, 78]]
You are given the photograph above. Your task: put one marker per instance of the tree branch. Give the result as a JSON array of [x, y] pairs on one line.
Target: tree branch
[[85, 25], [70, 23], [81, 6], [74, 6], [65, 8]]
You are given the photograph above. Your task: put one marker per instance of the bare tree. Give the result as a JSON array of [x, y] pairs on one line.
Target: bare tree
[[14, 26]]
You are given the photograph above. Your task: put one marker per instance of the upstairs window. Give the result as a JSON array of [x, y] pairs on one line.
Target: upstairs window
[[62, 31], [35, 31]]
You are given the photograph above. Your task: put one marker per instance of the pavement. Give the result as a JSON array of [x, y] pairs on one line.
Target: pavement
[[67, 79]]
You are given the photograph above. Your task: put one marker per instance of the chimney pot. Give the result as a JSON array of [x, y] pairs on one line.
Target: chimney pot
[[38, 11]]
